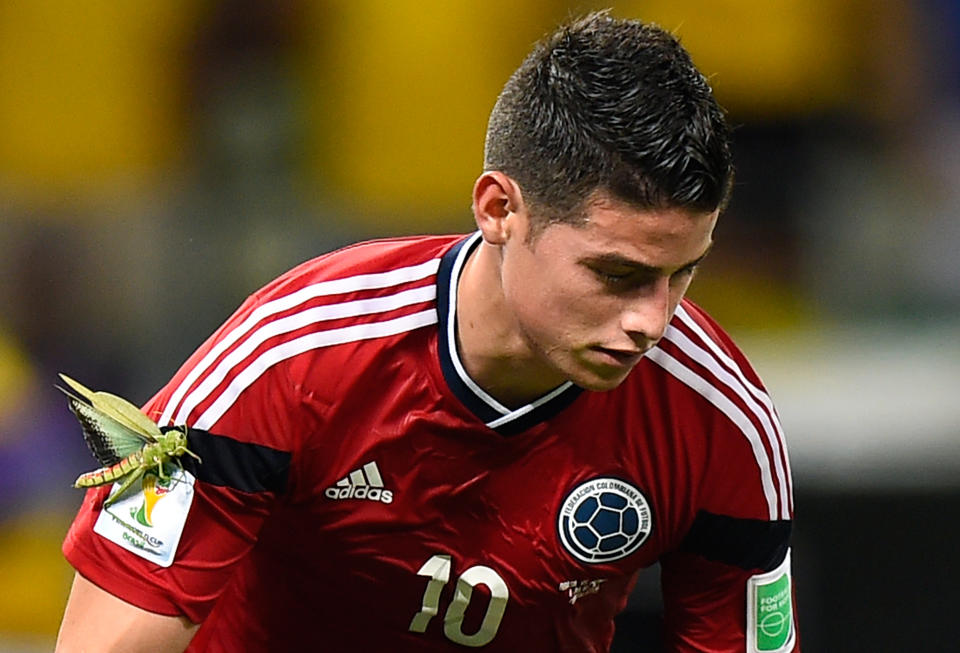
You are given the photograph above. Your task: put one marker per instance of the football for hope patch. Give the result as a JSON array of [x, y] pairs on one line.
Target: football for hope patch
[[770, 626], [604, 519], [149, 522]]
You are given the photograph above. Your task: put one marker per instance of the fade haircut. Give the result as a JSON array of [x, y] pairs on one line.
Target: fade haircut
[[614, 106]]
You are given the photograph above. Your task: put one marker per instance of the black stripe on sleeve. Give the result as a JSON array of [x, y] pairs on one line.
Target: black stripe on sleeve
[[744, 543], [239, 465]]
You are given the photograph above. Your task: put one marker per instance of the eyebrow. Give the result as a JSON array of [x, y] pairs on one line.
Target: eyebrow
[[618, 260]]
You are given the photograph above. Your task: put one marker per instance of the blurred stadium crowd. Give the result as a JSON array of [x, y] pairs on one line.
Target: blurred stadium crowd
[[160, 160]]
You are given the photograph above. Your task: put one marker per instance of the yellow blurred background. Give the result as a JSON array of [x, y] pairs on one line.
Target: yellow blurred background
[[160, 160]]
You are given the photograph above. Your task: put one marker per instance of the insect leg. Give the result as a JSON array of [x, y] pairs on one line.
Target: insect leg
[[128, 481], [174, 476]]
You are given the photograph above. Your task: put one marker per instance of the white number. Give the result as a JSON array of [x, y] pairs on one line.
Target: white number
[[437, 569], [453, 620]]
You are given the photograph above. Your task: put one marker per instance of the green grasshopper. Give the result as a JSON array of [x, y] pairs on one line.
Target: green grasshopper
[[125, 441]]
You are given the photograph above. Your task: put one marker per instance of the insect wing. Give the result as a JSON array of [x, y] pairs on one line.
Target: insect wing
[[116, 407], [109, 440]]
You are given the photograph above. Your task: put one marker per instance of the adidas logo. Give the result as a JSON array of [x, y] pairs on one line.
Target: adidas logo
[[363, 483]]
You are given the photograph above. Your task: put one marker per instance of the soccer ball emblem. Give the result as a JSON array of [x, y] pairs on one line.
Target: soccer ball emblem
[[604, 519]]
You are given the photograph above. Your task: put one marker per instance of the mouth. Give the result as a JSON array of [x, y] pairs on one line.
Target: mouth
[[620, 357]]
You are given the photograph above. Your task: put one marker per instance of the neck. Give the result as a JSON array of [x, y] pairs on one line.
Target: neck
[[490, 342]]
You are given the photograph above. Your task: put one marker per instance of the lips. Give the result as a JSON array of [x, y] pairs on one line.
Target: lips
[[621, 357]]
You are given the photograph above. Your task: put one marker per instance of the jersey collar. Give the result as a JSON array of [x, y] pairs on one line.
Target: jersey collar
[[495, 415]]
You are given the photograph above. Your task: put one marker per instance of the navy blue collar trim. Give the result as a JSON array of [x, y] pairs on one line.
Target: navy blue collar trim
[[496, 416]]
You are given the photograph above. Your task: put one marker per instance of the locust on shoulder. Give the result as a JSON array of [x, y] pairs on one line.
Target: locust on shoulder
[[124, 440]]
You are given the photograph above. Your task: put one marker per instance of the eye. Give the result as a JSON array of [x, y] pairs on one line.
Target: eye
[[612, 276]]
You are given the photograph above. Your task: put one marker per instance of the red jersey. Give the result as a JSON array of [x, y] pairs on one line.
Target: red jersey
[[358, 491]]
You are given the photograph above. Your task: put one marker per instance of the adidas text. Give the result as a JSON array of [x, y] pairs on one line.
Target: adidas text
[[360, 492]]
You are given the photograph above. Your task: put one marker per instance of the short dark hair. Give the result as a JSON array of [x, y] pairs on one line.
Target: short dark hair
[[616, 106]]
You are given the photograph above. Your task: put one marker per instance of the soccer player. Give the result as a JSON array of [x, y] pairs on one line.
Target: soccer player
[[448, 442]]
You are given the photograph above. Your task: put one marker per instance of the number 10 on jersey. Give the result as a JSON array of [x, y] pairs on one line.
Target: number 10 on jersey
[[437, 569]]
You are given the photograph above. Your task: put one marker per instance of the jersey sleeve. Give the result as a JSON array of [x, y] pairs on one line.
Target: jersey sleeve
[[170, 545], [728, 586]]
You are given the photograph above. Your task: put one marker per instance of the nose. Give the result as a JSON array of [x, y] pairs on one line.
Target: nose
[[647, 313]]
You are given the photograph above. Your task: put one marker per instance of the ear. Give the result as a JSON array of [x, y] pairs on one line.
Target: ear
[[496, 199]]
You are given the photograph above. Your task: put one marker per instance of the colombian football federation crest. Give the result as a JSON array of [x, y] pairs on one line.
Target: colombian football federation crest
[[604, 519]]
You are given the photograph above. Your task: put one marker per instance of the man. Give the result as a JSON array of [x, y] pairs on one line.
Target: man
[[426, 444]]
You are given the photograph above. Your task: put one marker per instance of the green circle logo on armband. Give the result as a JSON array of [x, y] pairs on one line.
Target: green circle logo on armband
[[604, 519]]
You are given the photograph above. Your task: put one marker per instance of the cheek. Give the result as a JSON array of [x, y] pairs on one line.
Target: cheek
[[542, 294], [562, 307]]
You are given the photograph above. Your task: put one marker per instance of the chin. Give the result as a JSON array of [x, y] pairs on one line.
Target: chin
[[597, 383]]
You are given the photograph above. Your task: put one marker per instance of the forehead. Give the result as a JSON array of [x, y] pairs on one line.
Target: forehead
[[654, 236]]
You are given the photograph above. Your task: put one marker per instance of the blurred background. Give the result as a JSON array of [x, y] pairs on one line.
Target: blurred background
[[160, 160]]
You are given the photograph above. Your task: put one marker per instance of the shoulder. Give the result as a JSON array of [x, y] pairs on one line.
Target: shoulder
[[695, 338], [727, 413], [267, 350], [699, 354], [367, 265]]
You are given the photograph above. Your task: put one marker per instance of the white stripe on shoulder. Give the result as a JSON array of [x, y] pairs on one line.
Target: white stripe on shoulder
[[323, 288], [292, 348], [292, 323], [704, 388], [778, 441]]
